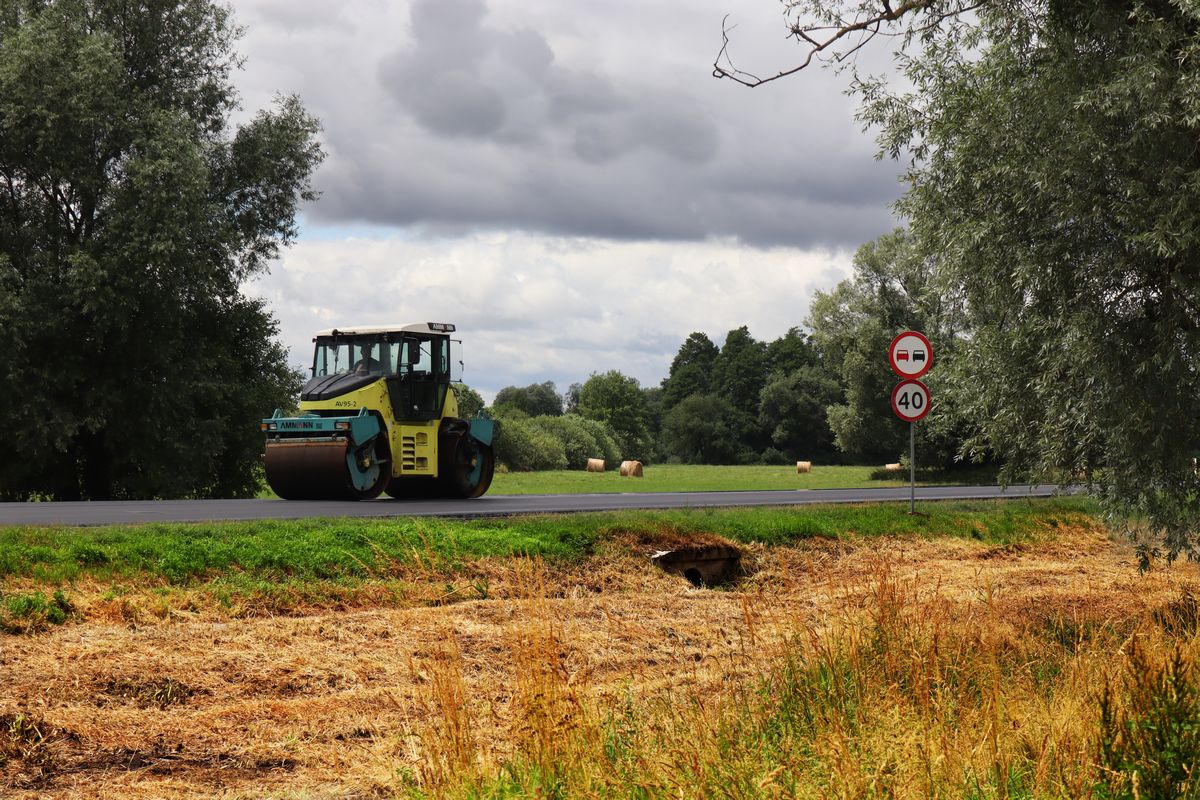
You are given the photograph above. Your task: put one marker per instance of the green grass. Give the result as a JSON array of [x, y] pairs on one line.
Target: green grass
[[296, 552], [710, 478], [705, 478], [29, 611]]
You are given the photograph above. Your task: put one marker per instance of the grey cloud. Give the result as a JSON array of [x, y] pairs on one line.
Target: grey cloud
[[453, 103], [597, 143], [526, 50], [303, 15], [478, 120], [572, 93], [674, 126]]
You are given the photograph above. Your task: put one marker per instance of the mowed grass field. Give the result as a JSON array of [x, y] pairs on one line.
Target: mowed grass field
[[690, 478], [985, 649], [709, 478]]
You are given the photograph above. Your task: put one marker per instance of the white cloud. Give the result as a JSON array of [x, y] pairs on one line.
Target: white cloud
[[531, 308], [566, 182]]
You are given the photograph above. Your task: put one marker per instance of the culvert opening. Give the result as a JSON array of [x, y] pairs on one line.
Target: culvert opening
[[701, 565]]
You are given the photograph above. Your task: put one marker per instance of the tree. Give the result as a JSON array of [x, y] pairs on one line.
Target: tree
[[571, 398], [893, 289], [740, 370], [790, 352], [652, 401], [536, 399], [738, 375], [1056, 181], [1075, 242], [617, 400], [702, 429], [691, 370], [470, 402], [792, 408], [131, 211]]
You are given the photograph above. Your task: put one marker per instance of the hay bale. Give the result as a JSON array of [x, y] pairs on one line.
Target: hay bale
[[803, 466], [631, 469], [891, 467], [595, 465]]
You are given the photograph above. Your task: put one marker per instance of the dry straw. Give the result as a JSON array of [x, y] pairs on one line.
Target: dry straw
[[631, 469]]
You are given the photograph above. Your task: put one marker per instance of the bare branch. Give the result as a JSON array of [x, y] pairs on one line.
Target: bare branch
[[820, 38]]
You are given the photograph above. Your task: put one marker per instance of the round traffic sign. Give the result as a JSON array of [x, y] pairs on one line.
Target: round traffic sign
[[910, 400], [910, 355]]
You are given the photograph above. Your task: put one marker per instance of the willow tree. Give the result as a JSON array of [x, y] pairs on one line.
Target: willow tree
[[132, 211], [1054, 177]]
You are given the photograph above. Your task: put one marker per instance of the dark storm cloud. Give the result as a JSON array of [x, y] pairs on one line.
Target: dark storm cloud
[[480, 123]]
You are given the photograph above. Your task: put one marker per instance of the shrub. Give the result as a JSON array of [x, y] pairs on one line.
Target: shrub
[[581, 439], [523, 445], [606, 440]]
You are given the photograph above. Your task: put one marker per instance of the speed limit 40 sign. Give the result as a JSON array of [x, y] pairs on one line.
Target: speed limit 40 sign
[[910, 400]]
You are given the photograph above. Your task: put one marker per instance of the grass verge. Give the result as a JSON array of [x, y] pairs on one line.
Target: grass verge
[[281, 566]]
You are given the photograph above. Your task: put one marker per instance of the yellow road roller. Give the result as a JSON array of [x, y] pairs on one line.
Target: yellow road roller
[[379, 415]]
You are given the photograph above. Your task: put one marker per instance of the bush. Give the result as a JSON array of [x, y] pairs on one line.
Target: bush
[[578, 442], [524, 445], [581, 438], [773, 457], [606, 440]]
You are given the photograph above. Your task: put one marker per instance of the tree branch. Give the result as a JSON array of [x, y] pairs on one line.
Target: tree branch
[[820, 38]]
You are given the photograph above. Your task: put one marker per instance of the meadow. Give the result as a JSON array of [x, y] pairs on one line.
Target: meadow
[[983, 649], [724, 478], [709, 478]]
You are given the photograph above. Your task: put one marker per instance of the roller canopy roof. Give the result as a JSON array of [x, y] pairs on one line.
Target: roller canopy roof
[[414, 327]]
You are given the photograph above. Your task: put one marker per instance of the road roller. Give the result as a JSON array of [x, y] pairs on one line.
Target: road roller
[[379, 415]]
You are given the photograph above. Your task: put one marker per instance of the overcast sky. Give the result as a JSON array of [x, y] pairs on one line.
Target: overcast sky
[[565, 181]]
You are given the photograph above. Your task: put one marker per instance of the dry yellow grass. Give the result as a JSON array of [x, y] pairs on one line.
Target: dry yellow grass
[[361, 701]]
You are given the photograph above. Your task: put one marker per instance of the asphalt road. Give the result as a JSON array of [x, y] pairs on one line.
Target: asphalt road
[[136, 511]]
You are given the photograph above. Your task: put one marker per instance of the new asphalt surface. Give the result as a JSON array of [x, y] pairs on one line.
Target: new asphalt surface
[[137, 511]]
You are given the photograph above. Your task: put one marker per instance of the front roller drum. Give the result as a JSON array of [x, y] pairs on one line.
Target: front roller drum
[[466, 467], [326, 470]]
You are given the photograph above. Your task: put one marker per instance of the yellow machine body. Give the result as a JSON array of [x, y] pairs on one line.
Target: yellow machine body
[[379, 414], [413, 443]]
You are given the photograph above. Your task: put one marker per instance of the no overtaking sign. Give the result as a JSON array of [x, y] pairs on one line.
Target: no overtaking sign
[[910, 355]]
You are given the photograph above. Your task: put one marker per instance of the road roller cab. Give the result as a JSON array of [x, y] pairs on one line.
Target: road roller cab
[[379, 414]]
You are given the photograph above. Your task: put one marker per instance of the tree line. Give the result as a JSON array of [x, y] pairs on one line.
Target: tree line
[[816, 393]]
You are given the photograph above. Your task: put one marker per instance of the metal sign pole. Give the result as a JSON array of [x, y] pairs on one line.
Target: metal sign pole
[[910, 356], [912, 468]]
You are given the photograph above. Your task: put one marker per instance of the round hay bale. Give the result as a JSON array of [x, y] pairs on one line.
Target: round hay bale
[[892, 467], [595, 465], [803, 466], [631, 469]]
